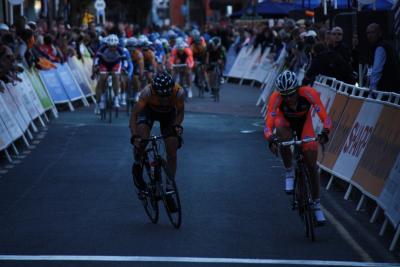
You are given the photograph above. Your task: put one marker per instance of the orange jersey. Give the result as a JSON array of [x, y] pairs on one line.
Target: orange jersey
[[149, 58], [199, 51], [182, 58], [148, 97], [308, 99]]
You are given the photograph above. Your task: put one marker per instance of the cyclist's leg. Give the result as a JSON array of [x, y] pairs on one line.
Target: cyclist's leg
[[145, 123], [187, 74], [100, 88], [284, 133], [172, 141], [116, 87], [310, 151], [124, 87]]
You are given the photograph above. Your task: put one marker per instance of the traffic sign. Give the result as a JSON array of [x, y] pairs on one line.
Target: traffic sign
[[100, 5]]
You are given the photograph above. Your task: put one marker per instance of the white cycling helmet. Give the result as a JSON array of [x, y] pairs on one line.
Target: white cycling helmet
[[112, 40], [132, 42], [286, 83], [180, 45]]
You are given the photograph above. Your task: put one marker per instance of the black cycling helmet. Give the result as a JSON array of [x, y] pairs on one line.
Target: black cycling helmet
[[286, 83], [163, 83]]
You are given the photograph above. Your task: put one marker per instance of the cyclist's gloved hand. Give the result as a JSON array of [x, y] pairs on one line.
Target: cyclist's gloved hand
[[135, 140], [178, 130], [323, 137], [273, 144]]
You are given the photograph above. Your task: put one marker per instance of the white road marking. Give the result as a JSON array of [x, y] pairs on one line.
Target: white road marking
[[9, 166], [247, 131], [26, 152], [16, 162], [32, 147], [20, 156], [3, 171], [346, 236], [36, 142], [191, 260]]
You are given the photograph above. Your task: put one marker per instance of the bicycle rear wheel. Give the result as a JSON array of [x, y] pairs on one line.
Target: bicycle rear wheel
[[150, 200], [170, 196]]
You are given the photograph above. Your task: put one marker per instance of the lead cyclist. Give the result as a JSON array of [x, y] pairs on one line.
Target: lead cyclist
[[289, 109]]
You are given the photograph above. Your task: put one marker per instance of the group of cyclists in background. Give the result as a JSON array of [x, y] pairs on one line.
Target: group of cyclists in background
[[134, 61]]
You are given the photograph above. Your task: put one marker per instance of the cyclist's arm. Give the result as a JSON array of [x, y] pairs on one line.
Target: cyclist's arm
[[312, 95], [189, 60], [172, 57], [139, 106], [272, 110], [141, 64]]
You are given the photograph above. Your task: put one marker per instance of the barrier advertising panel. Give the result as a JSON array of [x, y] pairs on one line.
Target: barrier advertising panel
[[5, 138], [40, 90], [54, 86], [30, 91], [389, 199], [380, 154], [76, 70], [328, 159], [13, 99], [327, 95], [254, 62], [67, 80], [242, 63], [27, 100], [358, 137], [264, 66], [9, 121], [230, 59]]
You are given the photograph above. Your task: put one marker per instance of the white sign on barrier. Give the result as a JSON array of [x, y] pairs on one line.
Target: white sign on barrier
[[32, 93], [9, 121], [327, 96], [27, 100], [12, 99], [253, 63], [357, 139], [264, 66], [390, 196]]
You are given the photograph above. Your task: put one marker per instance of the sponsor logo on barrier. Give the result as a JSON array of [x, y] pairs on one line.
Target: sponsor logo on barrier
[[358, 138]]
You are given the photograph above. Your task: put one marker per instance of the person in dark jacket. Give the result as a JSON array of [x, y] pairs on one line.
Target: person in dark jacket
[[384, 67], [329, 63]]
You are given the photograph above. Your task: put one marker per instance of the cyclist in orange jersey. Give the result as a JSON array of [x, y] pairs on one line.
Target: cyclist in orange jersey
[[289, 109]]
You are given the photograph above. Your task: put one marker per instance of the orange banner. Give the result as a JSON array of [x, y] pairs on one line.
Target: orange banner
[[380, 154], [335, 113]]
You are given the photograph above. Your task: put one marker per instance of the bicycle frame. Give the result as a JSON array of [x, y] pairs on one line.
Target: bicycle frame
[[302, 198]]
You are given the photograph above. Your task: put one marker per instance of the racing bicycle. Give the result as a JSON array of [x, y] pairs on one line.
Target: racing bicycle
[[161, 186]]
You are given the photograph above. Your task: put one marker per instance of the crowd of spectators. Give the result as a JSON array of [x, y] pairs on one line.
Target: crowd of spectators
[[317, 49], [314, 48]]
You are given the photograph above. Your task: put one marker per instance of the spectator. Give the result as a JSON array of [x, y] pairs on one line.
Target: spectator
[[49, 50], [383, 62], [327, 62], [338, 45]]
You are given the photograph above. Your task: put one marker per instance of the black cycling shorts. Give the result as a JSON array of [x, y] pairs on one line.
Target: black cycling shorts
[[148, 116]]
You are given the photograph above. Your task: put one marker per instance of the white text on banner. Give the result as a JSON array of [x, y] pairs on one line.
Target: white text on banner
[[357, 139], [27, 100]]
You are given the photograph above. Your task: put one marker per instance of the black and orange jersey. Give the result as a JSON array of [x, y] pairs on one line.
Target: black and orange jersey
[[149, 59], [199, 52], [148, 97]]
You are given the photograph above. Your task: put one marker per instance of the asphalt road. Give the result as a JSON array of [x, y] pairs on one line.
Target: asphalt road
[[72, 195]]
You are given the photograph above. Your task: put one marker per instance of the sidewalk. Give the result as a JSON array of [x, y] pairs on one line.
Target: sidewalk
[[239, 100]]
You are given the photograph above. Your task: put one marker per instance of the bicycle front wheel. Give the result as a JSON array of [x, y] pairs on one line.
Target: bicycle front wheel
[[150, 199], [170, 196]]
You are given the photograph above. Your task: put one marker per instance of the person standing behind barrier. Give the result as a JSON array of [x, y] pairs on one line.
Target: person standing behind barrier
[[327, 62], [383, 63]]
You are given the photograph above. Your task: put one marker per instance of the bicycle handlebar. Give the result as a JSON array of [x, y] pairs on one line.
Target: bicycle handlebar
[[179, 65], [299, 142], [152, 138]]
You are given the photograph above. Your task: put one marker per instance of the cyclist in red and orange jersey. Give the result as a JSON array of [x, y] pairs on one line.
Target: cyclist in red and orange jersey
[[181, 54], [289, 110], [199, 51]]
